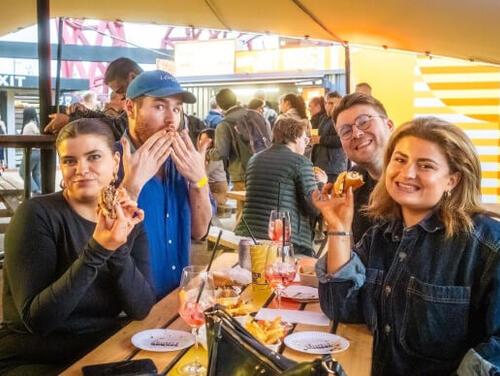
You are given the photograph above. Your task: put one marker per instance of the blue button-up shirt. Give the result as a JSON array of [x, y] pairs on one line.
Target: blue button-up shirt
[[432, 303], [167, 221]]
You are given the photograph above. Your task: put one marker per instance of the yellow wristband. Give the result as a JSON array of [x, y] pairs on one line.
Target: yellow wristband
[[202, 182]]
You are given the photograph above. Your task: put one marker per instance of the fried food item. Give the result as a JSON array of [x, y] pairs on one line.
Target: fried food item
[[222, 279], [240, 308], [266, 332], [345, 180], [108, 198], [317, 170]]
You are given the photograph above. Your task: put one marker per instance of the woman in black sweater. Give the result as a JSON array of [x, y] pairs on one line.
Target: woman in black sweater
[[72, 276]]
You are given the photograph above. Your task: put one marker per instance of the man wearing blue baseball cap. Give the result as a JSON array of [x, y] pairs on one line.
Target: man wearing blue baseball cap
[[166, 174]]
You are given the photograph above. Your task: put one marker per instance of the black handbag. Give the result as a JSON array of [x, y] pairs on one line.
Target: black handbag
[[232, 350]]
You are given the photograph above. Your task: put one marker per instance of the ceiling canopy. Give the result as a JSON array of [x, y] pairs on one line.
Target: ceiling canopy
[[467, 29]]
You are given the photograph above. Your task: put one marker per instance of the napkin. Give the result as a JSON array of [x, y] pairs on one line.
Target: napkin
[[293, 316]]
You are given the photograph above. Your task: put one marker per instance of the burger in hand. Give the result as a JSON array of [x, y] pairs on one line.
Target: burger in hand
[[345, 180]]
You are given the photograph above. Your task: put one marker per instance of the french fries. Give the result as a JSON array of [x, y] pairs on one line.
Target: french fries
[[240, 309], [266, 332]]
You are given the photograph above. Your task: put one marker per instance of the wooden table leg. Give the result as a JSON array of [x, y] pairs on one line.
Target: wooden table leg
[[27, 173]]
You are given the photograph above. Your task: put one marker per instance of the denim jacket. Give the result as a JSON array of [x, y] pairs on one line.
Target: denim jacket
[[432, 304]]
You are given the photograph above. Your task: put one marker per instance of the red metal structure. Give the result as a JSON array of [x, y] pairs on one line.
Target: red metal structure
[[73, 33]]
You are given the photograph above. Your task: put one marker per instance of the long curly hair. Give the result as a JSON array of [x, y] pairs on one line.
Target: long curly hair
[[458, 206]]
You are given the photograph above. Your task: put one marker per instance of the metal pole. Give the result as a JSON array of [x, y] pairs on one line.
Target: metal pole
[[59, 52], [347, 68], [48, 160]]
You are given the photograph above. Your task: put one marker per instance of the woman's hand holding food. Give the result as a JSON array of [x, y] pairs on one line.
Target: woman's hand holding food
[[117, 216], [337, 211]]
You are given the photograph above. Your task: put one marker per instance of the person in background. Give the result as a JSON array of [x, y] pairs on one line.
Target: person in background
[[3, 130], [364, 128], [215, 169], [282, 176], [230, 146], [72, 277], [327, 150], [89, 100], [193, 124], [118, 75], [316, 108], [116, 105], [327, 153], [214, 116], [257, 105], [426, 277], [363, 88], [293, 106], [31, 126], [269, 113]]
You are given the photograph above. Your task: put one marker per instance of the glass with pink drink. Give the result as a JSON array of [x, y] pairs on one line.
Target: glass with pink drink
[[279, 222], [196, 294], [281, 268]]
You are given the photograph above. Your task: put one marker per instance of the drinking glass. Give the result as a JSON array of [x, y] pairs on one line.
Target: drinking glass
[[281, 268], [275, 229], [192, 305]]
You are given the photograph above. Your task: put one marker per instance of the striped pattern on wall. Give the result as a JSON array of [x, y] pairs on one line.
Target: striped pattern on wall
[[468, 95]]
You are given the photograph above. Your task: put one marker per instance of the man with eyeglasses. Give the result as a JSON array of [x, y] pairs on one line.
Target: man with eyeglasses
[[364, 128]]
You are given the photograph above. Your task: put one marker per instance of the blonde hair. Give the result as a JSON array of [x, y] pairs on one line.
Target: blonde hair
[[457, 207]]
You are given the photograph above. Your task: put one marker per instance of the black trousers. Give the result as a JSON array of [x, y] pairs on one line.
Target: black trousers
[[29, 354]]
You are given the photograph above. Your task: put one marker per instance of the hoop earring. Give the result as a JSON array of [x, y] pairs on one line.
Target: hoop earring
[[114, 179], [62, 185], [446, 195]]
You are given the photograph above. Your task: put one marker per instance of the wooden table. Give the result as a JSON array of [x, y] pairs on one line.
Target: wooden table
[[356, 360], [240, 197]]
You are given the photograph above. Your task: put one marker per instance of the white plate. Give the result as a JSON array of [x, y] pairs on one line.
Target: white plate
[[300, 293], [316, 342], [162, 340]]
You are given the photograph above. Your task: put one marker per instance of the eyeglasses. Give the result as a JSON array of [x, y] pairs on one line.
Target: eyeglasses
[[362, 122]]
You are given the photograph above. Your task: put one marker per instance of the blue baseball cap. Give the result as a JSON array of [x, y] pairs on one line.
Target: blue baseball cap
[[157, 84]]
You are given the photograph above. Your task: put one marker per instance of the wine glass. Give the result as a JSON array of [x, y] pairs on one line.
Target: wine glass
[[281, 268], [192, 304], [277, 219]]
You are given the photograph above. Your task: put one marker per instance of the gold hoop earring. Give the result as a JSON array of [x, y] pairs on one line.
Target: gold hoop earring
[[446, 195], [114, 179], [62, 185]]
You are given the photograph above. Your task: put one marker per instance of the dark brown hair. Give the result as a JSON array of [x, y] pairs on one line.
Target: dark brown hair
[[120, 69], [86, 126], [320, 101], [297, 102], [256, 103], [355, 99], [287, 130]]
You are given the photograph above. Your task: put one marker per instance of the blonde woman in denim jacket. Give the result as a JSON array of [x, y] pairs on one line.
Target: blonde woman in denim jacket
[[426, 278]]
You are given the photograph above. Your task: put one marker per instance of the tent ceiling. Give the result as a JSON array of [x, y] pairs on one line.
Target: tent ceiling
[[466, 29]]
